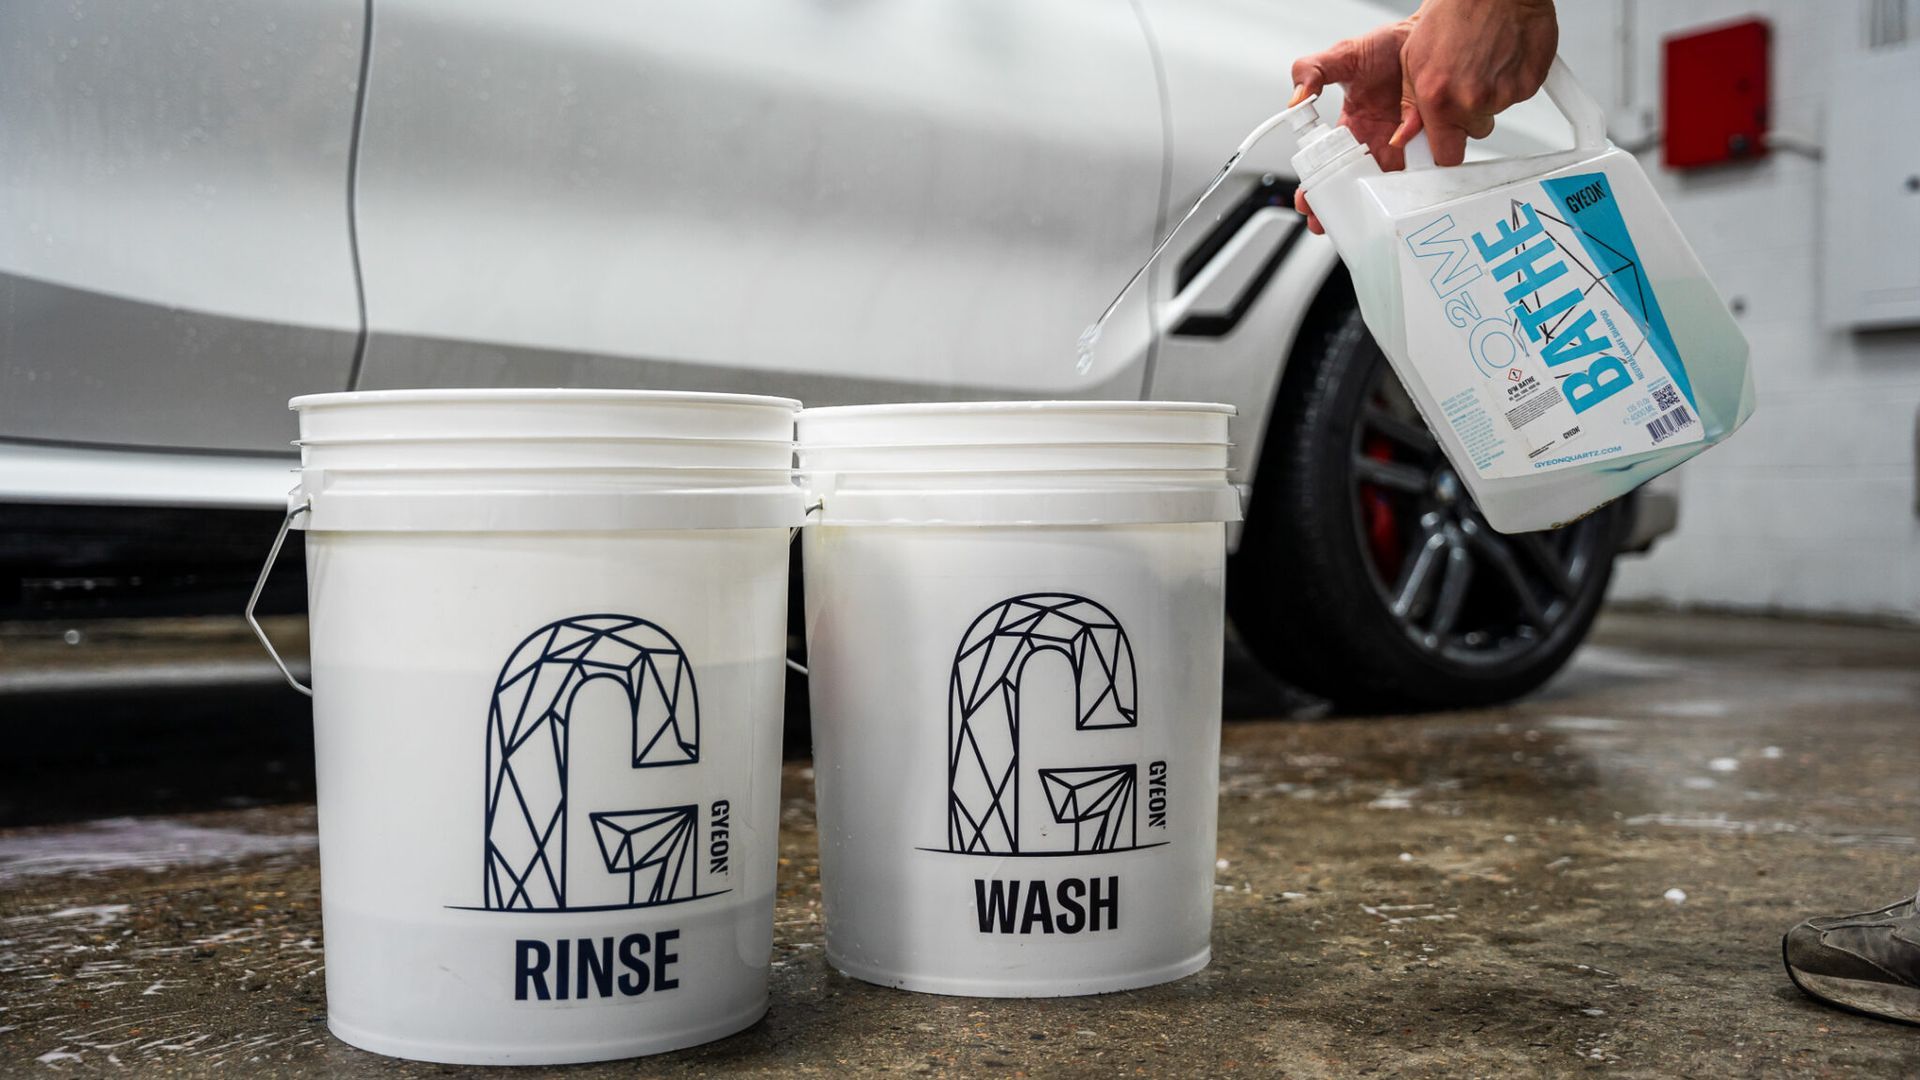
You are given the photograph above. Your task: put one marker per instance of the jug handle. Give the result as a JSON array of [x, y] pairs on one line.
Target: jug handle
[[1588, 119], [1582, 112]]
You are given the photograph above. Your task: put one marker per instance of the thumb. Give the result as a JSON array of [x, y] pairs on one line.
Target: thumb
[[1308, 79], [1409, 125], [1409, 114], [1311, 74]]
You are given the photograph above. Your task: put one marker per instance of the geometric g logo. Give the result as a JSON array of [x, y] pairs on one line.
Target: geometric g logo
[[994, 706], [550, 847]]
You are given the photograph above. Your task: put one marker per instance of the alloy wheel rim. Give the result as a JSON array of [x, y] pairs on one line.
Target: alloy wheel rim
[[1457, 589]]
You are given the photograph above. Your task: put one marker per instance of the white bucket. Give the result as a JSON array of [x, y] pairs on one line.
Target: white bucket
[[547, 713], [1014, 625]]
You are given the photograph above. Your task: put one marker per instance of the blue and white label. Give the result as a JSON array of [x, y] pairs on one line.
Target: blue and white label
[[1533, 323]]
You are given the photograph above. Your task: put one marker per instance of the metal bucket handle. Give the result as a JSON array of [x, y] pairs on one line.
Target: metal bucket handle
[[273, 555], [259, 586]]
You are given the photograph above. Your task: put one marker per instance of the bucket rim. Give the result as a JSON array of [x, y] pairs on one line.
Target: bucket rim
[[545, 470], [924, 408], [517, 440], [1065, 444], [1204, 475], [536, 395]]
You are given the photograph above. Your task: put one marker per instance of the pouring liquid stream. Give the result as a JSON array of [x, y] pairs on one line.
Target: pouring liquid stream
[[1090, 337]]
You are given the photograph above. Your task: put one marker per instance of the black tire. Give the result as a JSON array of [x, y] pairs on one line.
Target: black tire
[[1350, 475]]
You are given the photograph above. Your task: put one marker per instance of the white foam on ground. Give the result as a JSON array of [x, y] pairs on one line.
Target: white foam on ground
[[1612, 661], [1700, 709], [1584, 723], [151, 844], [101, 914]]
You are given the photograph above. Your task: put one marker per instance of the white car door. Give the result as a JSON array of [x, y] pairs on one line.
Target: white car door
[[175, 252], [843, 200]]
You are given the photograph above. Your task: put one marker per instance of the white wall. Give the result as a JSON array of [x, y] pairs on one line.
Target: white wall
[[1811, 506]]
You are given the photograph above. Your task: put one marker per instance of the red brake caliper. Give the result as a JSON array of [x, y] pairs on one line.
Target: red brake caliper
[[1383, 526]]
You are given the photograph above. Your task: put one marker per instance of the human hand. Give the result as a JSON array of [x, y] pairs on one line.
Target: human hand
[[1467, 60], [1368, 67], [1446, 70]]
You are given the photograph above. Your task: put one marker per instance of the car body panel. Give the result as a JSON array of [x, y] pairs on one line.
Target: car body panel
[[175, 252], [843, 202], [97, 476]]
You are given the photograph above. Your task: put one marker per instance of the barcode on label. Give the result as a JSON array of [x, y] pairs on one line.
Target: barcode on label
[[1667, 424], [1665, 396]]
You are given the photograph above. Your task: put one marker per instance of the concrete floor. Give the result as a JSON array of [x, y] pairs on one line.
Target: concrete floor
[[1478, 893]]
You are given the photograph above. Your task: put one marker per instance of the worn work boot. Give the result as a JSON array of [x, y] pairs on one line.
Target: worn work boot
[[1869, 962]]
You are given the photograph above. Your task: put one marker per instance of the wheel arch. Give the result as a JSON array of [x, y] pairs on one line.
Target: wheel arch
[[1331, 303], [1247, 367]]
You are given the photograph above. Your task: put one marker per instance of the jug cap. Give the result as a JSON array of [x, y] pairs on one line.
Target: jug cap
[[1320, 144], [1301, 116]]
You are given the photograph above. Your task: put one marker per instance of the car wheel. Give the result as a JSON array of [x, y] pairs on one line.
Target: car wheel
[[1368, 576]]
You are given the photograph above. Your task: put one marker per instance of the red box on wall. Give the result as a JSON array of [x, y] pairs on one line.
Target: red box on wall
[[1716, 95]]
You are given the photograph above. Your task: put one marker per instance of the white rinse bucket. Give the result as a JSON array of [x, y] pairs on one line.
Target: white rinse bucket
[[1014, 625], [547, 713]]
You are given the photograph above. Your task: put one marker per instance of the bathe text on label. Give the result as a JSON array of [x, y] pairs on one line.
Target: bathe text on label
[[1529, 256]]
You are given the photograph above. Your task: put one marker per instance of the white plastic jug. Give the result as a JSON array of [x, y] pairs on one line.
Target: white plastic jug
[[1545, 314]]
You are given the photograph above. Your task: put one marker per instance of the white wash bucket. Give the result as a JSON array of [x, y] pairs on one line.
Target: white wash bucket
[[548, 641], [1014, 626]]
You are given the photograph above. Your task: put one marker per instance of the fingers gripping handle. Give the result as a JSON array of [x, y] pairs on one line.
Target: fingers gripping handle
[[260, 586], [1588, 120], [1582, 112]]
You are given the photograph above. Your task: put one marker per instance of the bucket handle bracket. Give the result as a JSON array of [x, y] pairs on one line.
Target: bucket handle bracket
[[813, 508], [259, 586], [273, 556]]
